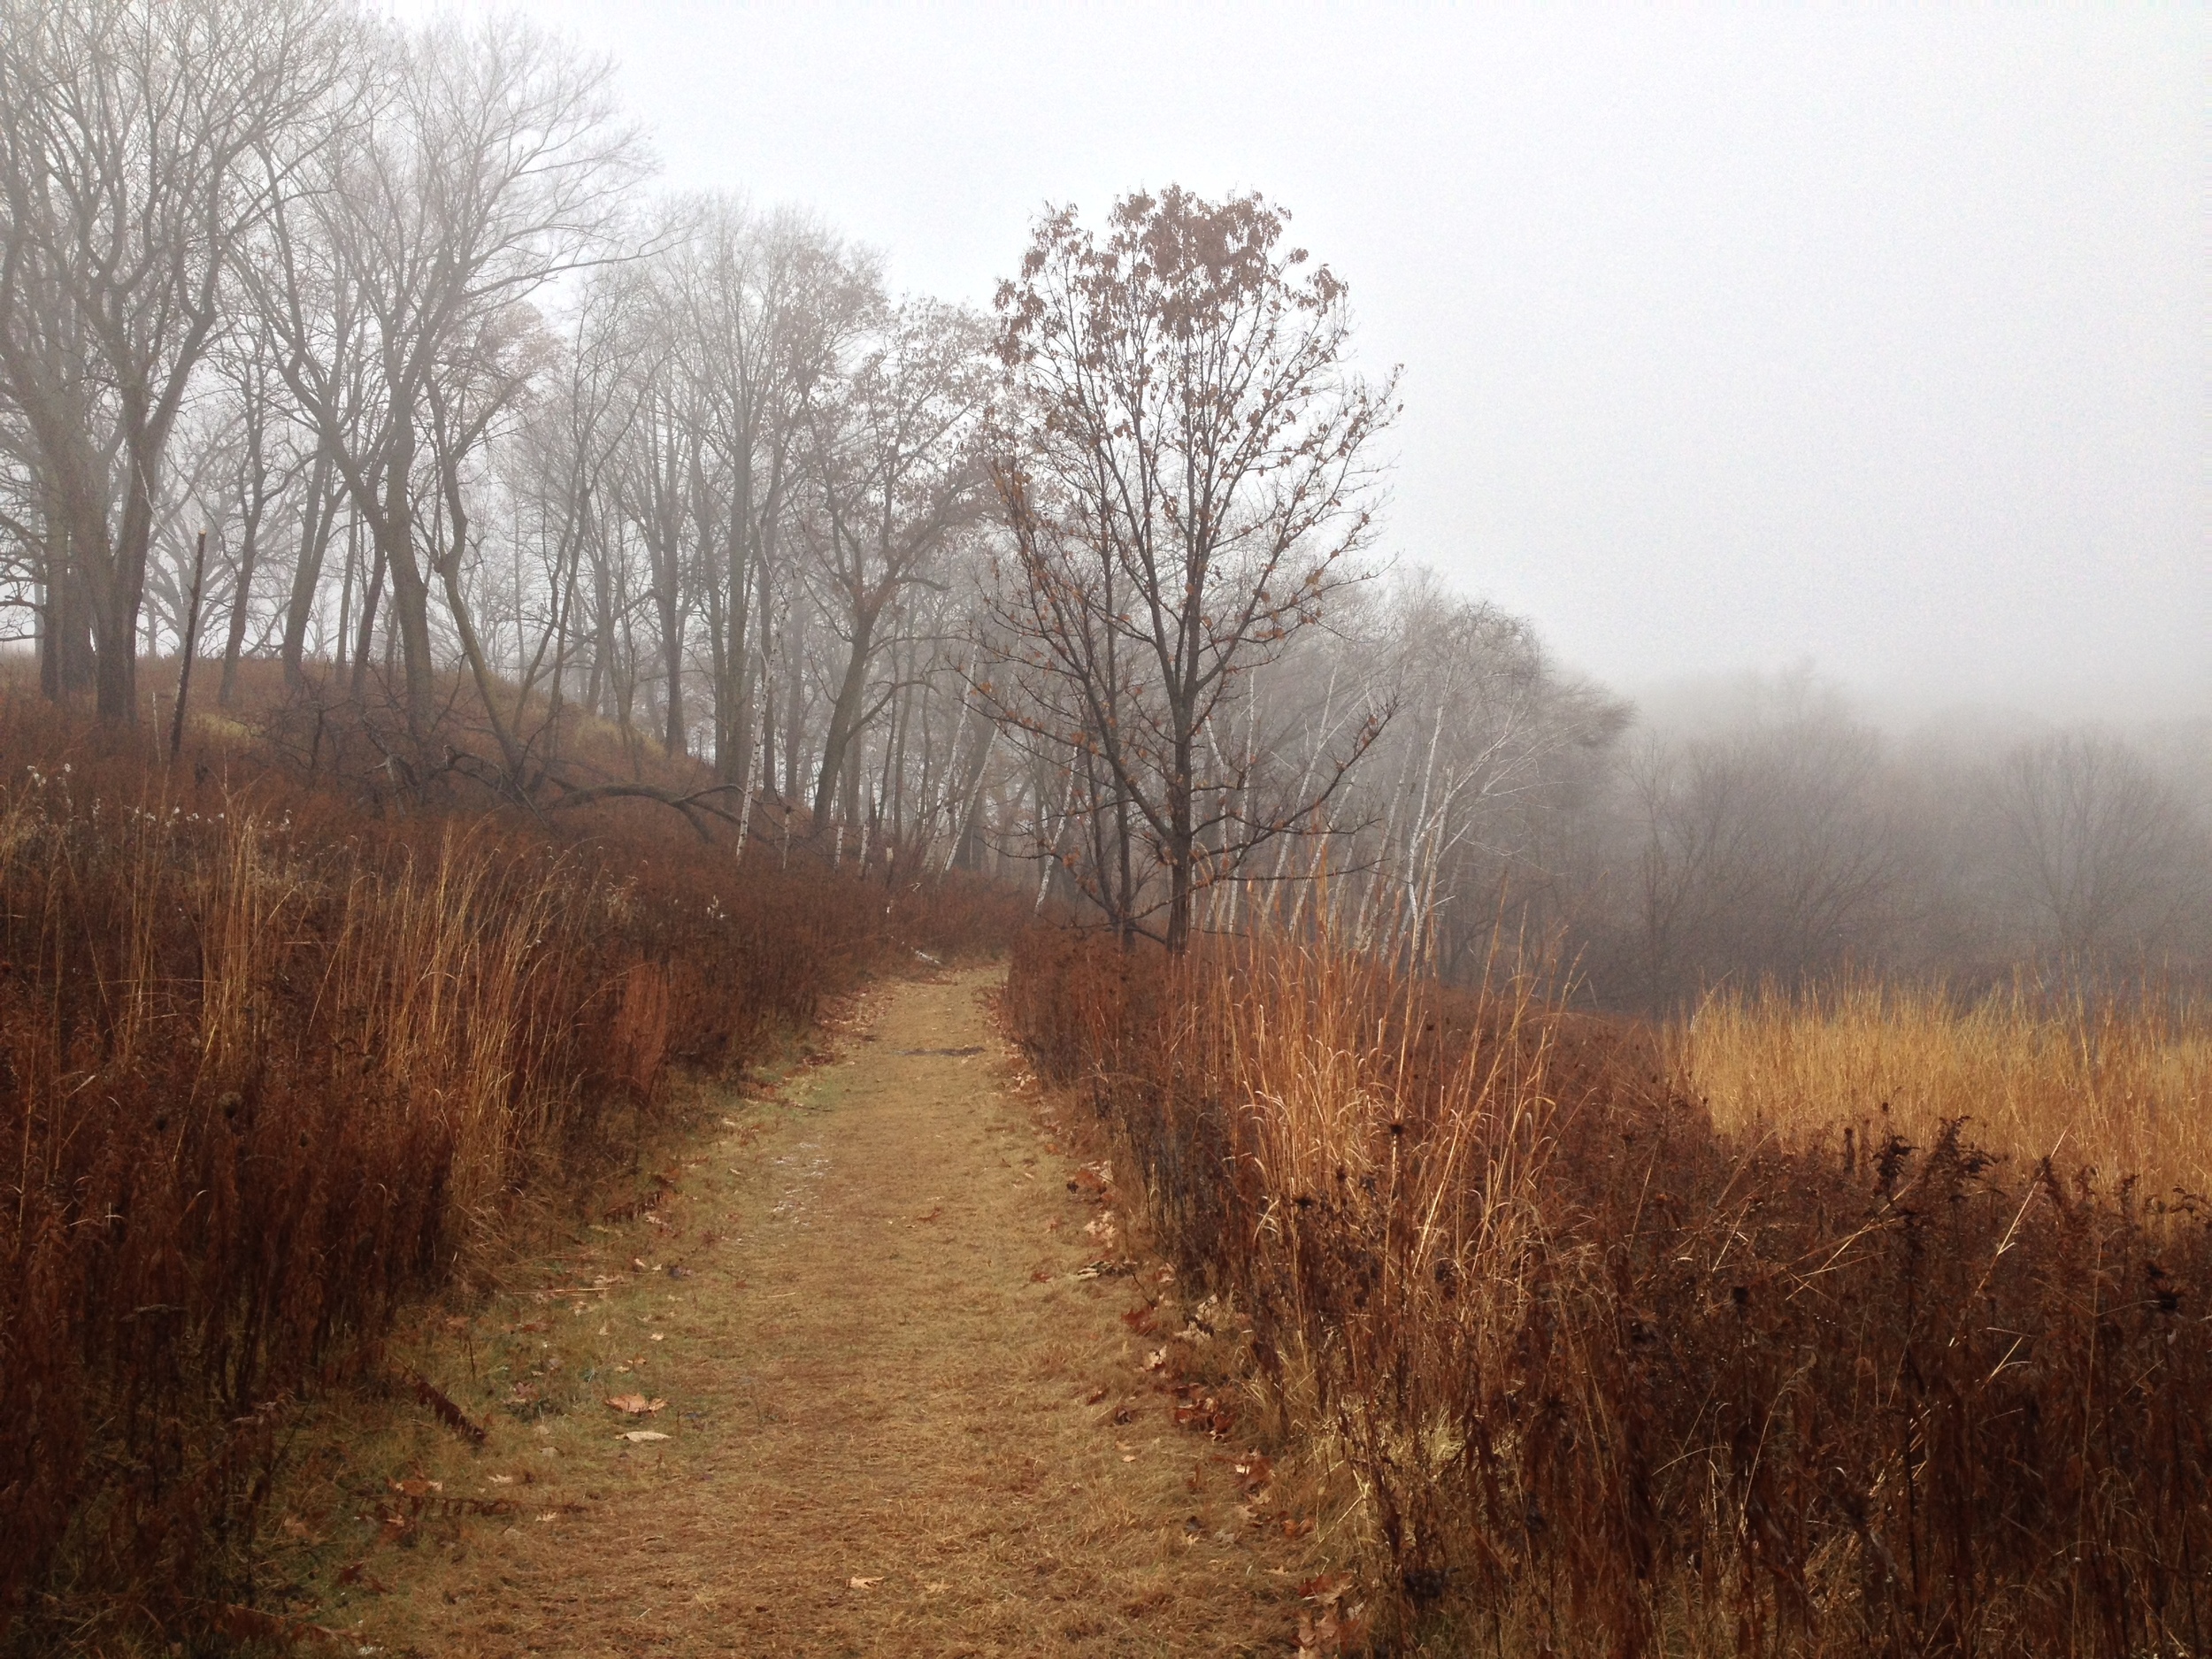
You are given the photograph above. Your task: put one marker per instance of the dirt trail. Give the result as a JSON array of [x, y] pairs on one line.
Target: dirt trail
[[880, 1365]]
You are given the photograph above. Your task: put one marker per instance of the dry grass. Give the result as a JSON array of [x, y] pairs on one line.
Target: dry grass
[[2122, 1086], [281, 1057], [1614, 1380]]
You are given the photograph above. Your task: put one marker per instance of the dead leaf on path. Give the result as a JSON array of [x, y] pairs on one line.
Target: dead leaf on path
[[641, 1435], [358, 1573], [416, 1489], [1326, 1588], [865, 1583], [1298, 1526], [1041, 1278], [933, 1215], [636, 1405], [1140, 1320], [1094, 1396], [1156, 1359], [1253, 1472]]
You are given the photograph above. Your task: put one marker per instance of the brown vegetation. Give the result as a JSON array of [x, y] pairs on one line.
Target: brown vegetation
[[1614, 1380], [280, 1053]]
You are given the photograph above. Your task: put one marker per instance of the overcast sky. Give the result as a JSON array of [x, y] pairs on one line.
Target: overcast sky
[[1733, 339]]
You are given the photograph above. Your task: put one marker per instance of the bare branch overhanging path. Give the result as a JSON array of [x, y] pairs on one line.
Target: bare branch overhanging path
[[877, 1369]]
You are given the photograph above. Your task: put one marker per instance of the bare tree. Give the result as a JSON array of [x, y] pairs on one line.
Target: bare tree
[[896, 476], [769, 304], [2096, 845], [1184, 459], [1768, 850], [129, 136], [470, 170]]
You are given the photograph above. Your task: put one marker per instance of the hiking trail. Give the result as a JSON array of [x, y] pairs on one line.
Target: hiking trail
[[898, 1418]]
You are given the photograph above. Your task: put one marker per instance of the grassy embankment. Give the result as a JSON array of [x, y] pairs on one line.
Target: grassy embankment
[[289, 1041], [1611, 1370]]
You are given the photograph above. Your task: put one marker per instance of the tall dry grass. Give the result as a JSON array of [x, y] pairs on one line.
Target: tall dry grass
[[1614, 1380], [274, 1064], [2123, 1086]]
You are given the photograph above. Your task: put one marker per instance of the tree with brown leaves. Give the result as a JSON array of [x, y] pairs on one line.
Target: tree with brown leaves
[[1185, 464]]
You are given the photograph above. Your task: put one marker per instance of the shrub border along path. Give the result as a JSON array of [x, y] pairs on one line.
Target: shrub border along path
[[899, 1417]]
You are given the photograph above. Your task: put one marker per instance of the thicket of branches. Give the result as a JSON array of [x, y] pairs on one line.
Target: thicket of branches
[[1083, 591]]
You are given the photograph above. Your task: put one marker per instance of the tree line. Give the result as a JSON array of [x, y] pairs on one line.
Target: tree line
[[368, 349]]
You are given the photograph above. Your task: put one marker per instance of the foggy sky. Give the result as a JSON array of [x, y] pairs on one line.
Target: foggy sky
[[1871, 340]]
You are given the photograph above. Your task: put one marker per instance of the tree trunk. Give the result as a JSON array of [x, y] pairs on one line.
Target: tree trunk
[[410, 592], [837, 742], [320, 514], [235, 643]]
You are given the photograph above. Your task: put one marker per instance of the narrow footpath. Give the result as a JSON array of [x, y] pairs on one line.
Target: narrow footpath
[[844, 1388]]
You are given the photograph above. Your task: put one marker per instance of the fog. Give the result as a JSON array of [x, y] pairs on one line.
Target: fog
[[1873, 339], [1721, 497]]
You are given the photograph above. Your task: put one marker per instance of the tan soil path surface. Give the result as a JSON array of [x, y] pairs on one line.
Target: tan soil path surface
[[879, 1365]]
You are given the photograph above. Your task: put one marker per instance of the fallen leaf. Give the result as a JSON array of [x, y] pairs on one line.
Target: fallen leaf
[[865, 1583], [1041, 1278], [636, 1405], [657, 1337], [641, 1435], [1327, 1588], [1156, 1359]]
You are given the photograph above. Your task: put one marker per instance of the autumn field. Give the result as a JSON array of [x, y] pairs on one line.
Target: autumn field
[[1869, 1324]]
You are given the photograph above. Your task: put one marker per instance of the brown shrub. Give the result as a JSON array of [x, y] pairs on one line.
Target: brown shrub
[[1612, 1380]]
